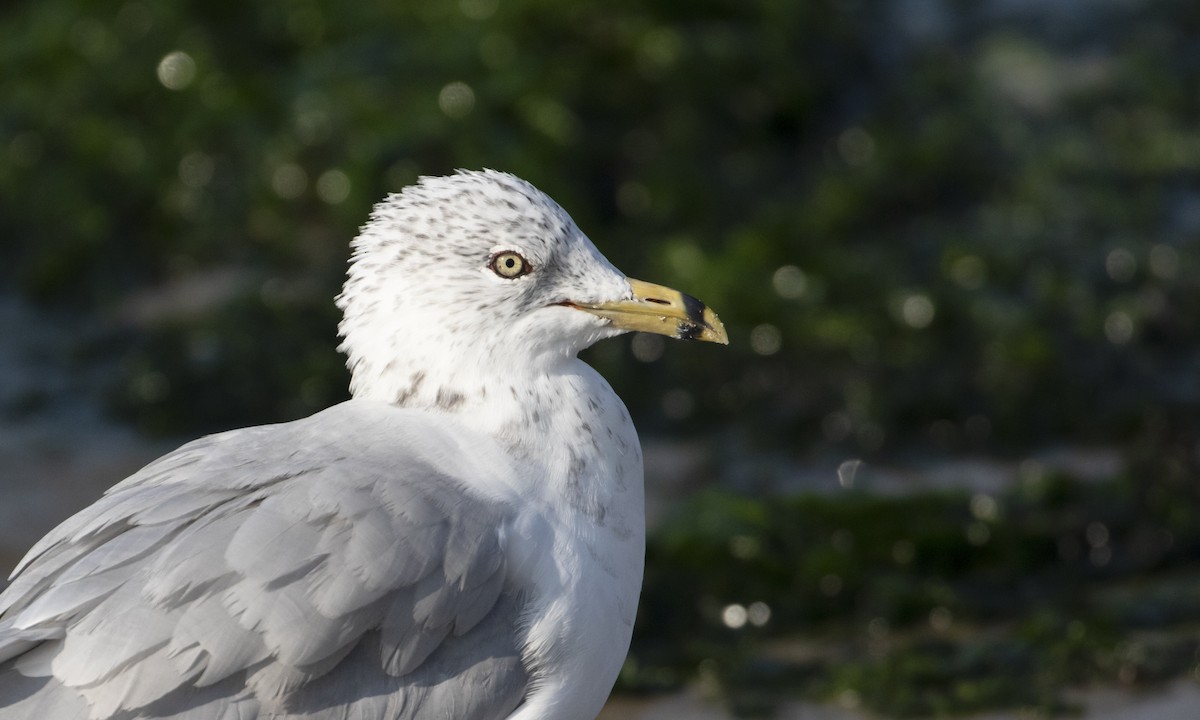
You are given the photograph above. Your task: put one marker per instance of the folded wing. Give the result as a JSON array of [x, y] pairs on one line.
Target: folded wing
[[338, 566]]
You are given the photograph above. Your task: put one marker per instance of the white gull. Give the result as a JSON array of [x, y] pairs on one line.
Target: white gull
[[462, 540]]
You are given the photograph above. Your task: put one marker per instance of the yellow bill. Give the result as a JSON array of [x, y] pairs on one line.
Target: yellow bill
[[663, 311]]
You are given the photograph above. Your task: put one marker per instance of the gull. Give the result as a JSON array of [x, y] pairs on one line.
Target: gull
[[463, 539]]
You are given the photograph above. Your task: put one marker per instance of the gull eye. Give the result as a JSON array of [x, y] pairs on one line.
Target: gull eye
[[509, 265]]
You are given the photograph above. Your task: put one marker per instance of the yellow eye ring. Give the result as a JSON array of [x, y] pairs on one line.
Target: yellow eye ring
[[509, 265]]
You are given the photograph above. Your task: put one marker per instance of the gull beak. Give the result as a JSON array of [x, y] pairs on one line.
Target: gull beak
[[660, 310]]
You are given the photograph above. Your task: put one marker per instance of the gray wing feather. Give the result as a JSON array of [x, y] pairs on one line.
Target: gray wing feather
[[184, 506], [119, 632], [33, 580], [27, 698], [133, 544], [59, 602], [267, 570], [14, 642], [209, 641], [270, 525], [475, 677], [194, 564]]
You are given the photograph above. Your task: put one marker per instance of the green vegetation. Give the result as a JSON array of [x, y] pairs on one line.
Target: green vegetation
[[905, 225], [930, 227], [930, 605]]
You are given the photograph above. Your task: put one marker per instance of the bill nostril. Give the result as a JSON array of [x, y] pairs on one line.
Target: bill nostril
[[658, 301]]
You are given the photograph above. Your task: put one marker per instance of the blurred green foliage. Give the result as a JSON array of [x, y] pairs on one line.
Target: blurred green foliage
[[930, 605], [929, 225], [936, 223]]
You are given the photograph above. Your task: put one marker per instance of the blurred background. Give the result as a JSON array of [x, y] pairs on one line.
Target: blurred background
[[948, 464]]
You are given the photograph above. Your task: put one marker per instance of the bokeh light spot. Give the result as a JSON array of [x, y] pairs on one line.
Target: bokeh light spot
[[497, 51], [195, 169], [647, 348], [790, 282], [658, 52], [1121, 265], [917, 311], [633, 199], [312, 120], [549, 117], [1118, 327], [856, 146], [684, 257], [176, 70], [766, 339], [456, 100], [333, 186], [744, 547], [1097, 534], [478, 9], [878, 628], [151, 386], [978, 533], [985, 507], [830, 585], [289, 181], [1164, 261], [734, 616], [847, 472], [969, 272], [940, 619]]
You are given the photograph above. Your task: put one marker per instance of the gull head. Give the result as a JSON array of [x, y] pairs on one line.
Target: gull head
[[481, 272]]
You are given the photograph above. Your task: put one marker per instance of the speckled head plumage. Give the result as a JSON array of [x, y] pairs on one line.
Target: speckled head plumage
[[480, 273], [420, 292]]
